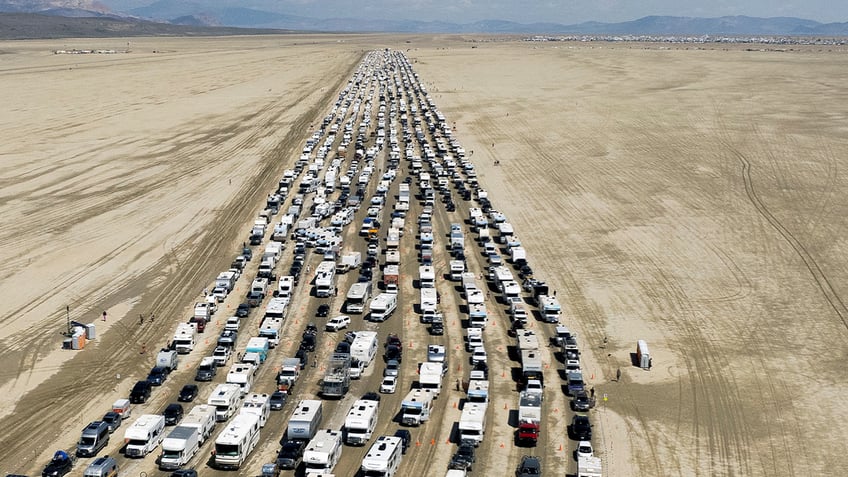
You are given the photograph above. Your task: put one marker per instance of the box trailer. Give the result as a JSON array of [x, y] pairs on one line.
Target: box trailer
[[305, 420]]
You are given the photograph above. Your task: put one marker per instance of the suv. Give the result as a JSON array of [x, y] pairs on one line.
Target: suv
[[113, 420], [463, 459], [173, 414], [157, 375], [581, 401], [337, 323], [530, 466], [291, 454], [140, 392], [405, 438], [581, 428], [243, 310]]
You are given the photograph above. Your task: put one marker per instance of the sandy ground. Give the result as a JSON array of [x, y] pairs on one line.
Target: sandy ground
[[687, 197]]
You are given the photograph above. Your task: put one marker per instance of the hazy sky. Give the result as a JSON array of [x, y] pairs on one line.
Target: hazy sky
[[528, 11]]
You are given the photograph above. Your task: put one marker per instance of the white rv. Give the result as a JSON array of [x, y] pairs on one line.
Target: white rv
[[472, 422], [357, 297], [241, 374], [237, 441], [144, 435], [383, 459], [325, 279], [323, 452], [382, 306], [185, 338], [415, 407], [202, 418], [360, 422], [305, 420], [426, 276], [285, 287], [364, 347], [259, 404], [225, 398], [179, 447]]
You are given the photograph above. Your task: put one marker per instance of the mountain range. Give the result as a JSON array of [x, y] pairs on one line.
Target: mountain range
[[195, 14]]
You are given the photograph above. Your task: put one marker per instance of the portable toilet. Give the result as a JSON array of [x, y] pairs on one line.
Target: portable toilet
[[78, 339], [643, 357], [89, 331]]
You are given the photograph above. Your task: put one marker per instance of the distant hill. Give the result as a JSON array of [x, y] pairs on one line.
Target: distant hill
[[205, 13], [24, 26]]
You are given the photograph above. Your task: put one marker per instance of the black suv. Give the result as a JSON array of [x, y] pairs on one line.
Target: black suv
[[463, 459], [188, 393], [140, 392], [581, 428], [405, 438], [173, 414], [291, 453], [530, 466], [581, 401], [243, 310], [247, 252]]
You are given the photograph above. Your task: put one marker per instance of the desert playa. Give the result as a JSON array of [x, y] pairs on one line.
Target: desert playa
[[689, 197]]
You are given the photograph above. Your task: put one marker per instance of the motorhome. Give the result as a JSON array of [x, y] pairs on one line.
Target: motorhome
[[241, 374], [357, 297], [426, 276], [323, 452], [336, 382], [550, 308], [179, 447], [305, 420], [258, 345], [472, 423], [259, 404], [384, 457], [360, 422], [285, 287], [430, 377], [364, 347], [457, 268], [144, 435], [416, 406], [202, 418], [270, 329], [226, 399], [235, 443], [478, 391], [325, 279], [277, 308], [382, 306], [529, 417], [185, 338], [478, 316]]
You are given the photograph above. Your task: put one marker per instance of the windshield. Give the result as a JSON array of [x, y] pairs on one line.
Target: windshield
[[316, 466], [87, 441], [226, 449], [137, 442], [412, 411], [170, 454]]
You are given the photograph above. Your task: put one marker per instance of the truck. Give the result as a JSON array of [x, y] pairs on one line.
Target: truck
[[225, 398], [336, 380], [430, 377], [305, 420], [472, 423], [589, 466], [382, 306], [202, 418], [273, 250], [416, 406], [550, 308], [179, 447], [349, 261], [360, 422], [258, 345], [364, 347], [322, 453], [241, 374], [529, 417], [235, 443], [357, 297], [185, 338], [270, 329], [259, 404], [167, 358], [266, 270], [288, 374], [478, 391], [383, 459], [325, 279], [144, 435], [531, 366], [457, 268]]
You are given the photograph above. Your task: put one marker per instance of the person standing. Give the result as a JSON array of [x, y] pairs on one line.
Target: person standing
[[104, 316]]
